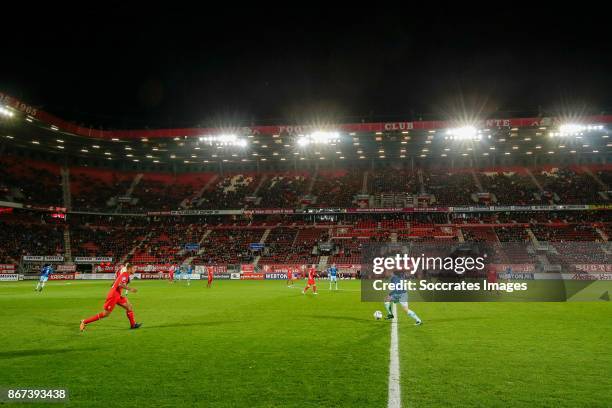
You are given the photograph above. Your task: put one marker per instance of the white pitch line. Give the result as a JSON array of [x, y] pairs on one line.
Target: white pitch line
[[394, 397]]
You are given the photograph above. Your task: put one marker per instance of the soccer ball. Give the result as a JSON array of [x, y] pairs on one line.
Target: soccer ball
[[378, 315]]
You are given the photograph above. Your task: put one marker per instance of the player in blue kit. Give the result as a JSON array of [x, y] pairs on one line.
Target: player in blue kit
[[189, 274], [45, 272], [177, 272], [399, 296], [332, 273]]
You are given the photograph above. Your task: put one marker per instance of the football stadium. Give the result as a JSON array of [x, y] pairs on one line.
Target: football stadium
[[420, 261]]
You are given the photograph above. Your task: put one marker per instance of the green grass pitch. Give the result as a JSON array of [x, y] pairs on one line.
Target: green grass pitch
[[262, 344]]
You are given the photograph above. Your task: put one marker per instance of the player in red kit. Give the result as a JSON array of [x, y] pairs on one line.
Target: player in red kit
[[289, 277], [312, 273], [492, 276], [210, 276], [114, 298], [118, 269], [171, 273]]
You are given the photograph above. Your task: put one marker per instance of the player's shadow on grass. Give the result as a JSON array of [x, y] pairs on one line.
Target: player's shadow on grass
[[347, 318], [38, 352], [456, 319], [59, 323], [188, 324]]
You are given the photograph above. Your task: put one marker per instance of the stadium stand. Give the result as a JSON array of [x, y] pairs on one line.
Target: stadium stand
[[511, 187], [26, 234], [337, 188], [570, 185], [565, 233], [450, 188], [28, 181], [92, 189], [228, 246], [290, 238], [97, 190], [229, 192], [392, 180], [282, 190]]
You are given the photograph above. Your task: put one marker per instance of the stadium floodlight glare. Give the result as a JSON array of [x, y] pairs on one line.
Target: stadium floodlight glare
[[6, 112], [318, 137], [464, 133], [223, 140], [575, 129]]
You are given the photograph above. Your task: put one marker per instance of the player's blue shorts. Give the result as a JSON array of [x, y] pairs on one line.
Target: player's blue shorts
[[333, 278], [401, 298], [44, 278]]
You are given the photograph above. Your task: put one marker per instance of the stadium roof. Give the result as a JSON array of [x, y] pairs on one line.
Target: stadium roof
[[27, 127]]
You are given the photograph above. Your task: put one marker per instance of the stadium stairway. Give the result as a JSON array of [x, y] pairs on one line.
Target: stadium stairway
[[534, 180], [135, 182], [532, 236], [188, 260], [130, 189], [261, 183], [200, 242], [66, 195], [364, 184], [544, 262], [265, 236], [477, 181], [67, 247], [602, 234], [313, 180], [127, 256], [322, 263], [595, 177], [204, 236], [256, 260], [421, 181], [200, 193], [603, 185]]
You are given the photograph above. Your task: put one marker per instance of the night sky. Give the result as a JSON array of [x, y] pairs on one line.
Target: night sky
[[131, 67]]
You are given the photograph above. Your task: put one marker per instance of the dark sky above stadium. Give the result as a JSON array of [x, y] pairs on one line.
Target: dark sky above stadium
[[134, 66]]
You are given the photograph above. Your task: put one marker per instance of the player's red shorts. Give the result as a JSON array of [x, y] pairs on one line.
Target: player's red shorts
[[110, 303], [289, 276], [210, 279], [171, 275], [311, 282]]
